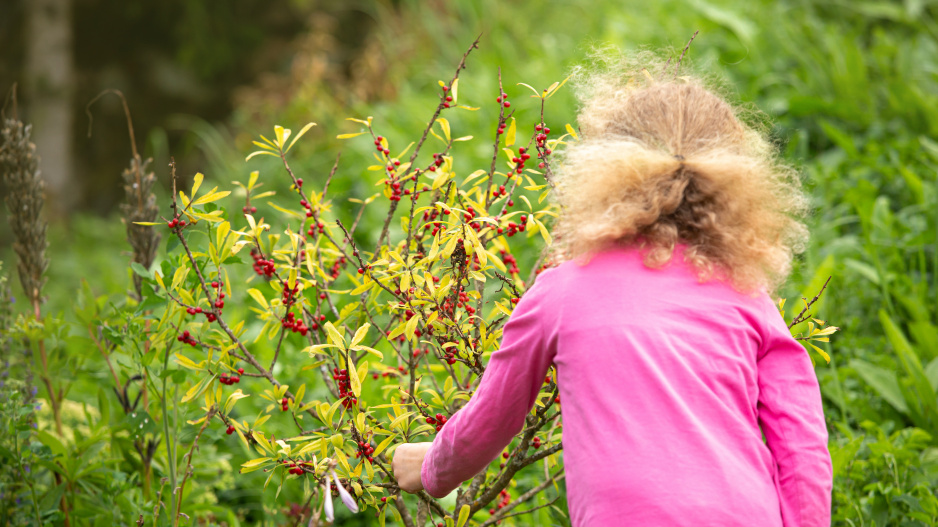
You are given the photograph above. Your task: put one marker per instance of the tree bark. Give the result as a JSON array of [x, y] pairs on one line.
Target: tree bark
[[49, 78]]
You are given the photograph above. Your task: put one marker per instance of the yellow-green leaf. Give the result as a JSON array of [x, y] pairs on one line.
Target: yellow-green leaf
[[260, 153], [257, 296], [334, 335], [510, 134], [463, 516], [360, 334], [213, 196], [197, 182], [179, 276], [233, 398], [444, 124], [299, 135]]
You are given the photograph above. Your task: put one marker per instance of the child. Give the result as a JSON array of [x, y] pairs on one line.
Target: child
[[677, 223]]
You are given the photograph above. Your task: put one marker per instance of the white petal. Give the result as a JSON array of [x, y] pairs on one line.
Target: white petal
[[347, 498], [327, 504]]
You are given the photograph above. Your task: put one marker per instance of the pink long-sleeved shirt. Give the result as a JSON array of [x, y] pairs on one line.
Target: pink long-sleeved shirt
[[664, 383]]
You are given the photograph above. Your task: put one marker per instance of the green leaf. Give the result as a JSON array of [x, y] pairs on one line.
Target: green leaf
[[140, 270], [883, 382]]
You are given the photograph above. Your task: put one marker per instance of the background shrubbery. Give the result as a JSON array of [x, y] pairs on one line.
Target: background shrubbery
[[852, 89]]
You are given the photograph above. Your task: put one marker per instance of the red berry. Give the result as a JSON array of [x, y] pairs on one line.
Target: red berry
[[230, 430], [240, 371], [506, 104]]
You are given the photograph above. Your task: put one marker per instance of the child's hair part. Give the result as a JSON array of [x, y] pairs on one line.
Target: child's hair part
[[662, 159]]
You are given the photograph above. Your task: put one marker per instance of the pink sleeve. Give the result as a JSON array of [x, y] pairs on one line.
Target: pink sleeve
[[792, 419], [478, 432]]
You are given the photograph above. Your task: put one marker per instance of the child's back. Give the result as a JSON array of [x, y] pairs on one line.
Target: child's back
[[671, 373], [666, 370]]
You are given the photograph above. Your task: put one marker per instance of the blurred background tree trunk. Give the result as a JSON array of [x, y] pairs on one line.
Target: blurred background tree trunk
[[49, 79]]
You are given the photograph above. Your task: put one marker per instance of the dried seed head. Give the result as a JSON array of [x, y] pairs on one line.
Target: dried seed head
[[140, 205], [19, 166]]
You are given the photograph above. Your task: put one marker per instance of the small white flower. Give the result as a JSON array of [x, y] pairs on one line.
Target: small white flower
[[327, 504], [347, 498]]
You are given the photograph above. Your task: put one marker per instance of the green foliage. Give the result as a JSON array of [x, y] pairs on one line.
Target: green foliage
[[849, 85]]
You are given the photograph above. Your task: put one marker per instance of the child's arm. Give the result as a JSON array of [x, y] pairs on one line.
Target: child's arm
[[478, 432], [792, 419]]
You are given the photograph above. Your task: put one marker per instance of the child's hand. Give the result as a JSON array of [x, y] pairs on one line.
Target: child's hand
[[406, 465]]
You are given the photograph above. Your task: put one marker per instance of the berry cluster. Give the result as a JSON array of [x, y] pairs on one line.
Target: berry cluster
[[337, 267], [503, 98], [285, 404], [219, 304], [505, 500], [230, 429], [449, 355], [395, 184], [187, 339], [439, 420], [431, 215], [225, 379], [515, 227], [381, 148], [447, 99], [289, 295], [536, 442], [296, 325], [462, 301], [176, 222], [345, 388], [417, 352], [469, 216], [437, 161], [509, 260], [261, 266], [541, 139], [320, 226], [519, 161], [296, 468], [247, 209], [505, 455], [545, 265], [401, 371], [365, 450]]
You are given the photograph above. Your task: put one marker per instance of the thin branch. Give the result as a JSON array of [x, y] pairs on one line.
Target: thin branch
[[502, 514], [182, 486], [804, 315]]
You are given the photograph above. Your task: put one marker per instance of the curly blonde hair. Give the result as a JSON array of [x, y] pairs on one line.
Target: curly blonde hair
[[662, 159]]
